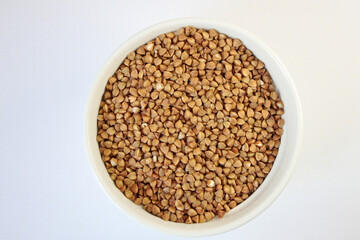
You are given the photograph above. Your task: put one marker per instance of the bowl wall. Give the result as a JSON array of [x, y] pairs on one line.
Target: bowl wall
[[274, 182]]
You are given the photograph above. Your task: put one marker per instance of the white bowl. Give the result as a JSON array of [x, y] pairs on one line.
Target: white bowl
[[274, 182]]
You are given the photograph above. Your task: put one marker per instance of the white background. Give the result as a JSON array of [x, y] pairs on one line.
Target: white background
[[50, 52]]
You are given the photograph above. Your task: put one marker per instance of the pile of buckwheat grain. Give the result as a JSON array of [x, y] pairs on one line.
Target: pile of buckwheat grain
[[190, 125]]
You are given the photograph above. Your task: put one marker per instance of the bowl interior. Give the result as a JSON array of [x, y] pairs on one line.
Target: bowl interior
[[274, 182]]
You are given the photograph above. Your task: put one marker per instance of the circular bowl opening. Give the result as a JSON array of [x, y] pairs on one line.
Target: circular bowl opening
[[284, 164]]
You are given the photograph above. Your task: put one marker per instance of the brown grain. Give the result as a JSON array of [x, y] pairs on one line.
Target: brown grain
[[190, 125]]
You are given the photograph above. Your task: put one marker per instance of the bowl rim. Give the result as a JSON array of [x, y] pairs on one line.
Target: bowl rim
[[159, 227]]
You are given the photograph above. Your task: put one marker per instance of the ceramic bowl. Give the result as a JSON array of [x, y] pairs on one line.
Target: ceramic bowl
[[274, 182]]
